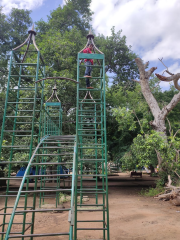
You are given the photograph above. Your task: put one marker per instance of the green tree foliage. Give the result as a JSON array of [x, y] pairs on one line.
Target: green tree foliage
[[119, 57], [75, 13], [13, 29], [59, 40]]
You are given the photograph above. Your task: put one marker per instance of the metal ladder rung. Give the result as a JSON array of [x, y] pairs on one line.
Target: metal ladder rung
[[43, 210], [91, 228], [38, 235]]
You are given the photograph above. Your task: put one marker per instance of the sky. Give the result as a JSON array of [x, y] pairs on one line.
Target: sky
[[151, 26]]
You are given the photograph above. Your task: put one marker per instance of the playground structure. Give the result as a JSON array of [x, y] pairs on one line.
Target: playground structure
[[33, 129]]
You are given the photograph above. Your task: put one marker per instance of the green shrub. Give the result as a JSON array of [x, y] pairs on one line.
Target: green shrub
[[151, 192]]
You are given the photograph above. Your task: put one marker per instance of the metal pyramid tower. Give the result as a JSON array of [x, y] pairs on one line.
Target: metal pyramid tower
[[52, 164], [91, 162]]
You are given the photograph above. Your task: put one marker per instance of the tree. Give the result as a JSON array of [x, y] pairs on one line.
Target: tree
[[158, 123], [133, 114], [119, 57], [75, 13]]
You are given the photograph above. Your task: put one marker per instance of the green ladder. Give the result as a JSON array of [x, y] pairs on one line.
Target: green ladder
[[31, 228], [91, 163], [22, 116], [34, 131]]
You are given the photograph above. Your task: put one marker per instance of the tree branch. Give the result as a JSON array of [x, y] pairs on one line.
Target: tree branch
[[156, 85], [137, 119], [150, 71], [173, 78], [160, 160], [169, 126], [174, 101], [176, 132], [144, 81], [165, 67], [177, 174], [146, 65]]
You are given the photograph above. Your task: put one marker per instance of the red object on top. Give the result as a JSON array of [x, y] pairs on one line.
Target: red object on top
[[87, 50]]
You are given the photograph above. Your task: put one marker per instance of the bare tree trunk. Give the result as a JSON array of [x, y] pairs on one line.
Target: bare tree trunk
[[158, 124]]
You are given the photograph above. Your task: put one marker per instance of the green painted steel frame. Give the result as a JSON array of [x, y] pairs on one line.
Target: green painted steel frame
[[79, 135], [9, 91]]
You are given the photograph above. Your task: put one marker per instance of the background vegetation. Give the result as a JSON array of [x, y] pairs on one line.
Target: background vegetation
[[131, 140]]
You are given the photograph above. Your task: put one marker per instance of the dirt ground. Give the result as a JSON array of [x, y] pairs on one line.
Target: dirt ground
[[132, 216]]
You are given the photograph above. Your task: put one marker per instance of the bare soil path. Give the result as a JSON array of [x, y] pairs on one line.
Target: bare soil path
[[135, 217], [132, 216]]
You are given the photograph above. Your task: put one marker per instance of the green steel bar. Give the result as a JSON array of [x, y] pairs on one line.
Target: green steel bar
[[2, 134], [72, 193], [20, 189], [107, 203], [96, 154], [6, 102], [40, 125], [76, 165]]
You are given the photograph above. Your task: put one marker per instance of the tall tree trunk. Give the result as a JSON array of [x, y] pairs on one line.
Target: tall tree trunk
[[158, 124]]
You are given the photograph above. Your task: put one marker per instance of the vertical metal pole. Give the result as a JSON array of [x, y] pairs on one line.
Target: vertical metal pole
[[107, 203], [2, 134], [34, 114], [6, 102], [76, 165]]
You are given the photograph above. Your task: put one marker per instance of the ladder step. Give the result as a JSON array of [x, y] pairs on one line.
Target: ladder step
[[87, 159], [26, 122], [19, 116], [52, 163], [44, 210], [96, 144], [90, 221], [24, 76], [17, 131], [90, 110], [93, 66], [21, 102], [83, 101], [90, 116], [90, 205], [54, 154], [91, 147], [91, 228], [26, 64], [25, 135], [38, 235], [91, 130], [50, 190], [94, 89], [90, 135], [62, 147], [51, 175], [17, 89], [11, 195]]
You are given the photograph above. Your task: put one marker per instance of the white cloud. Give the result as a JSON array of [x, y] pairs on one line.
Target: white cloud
[[151, 26], [174, 68], [21, 4]]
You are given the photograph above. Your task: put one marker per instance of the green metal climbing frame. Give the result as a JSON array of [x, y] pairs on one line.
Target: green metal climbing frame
[[91, 163], [68, 165], [32, 130], [21, 125]]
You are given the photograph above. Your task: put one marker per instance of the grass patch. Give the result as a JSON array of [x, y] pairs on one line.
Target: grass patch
[[64, 198], [151, 192]]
